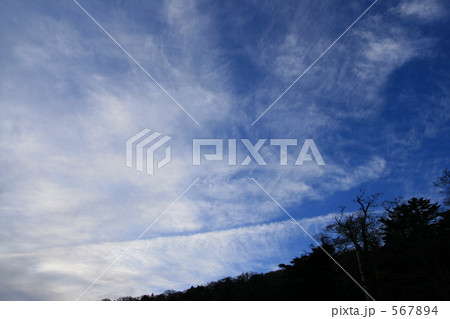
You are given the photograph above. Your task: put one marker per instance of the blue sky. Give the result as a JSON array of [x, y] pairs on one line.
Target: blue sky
[[377, 105]]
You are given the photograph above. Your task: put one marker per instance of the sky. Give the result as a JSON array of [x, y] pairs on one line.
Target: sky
[[376, 104]]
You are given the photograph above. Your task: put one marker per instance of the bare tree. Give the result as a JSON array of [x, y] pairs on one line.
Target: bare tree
[[443, 183], [358, 231]]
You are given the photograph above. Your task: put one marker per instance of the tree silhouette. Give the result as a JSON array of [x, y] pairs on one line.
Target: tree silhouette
[[403, 255], [409, 222], [443, 182], [414, 262], [358, 232]]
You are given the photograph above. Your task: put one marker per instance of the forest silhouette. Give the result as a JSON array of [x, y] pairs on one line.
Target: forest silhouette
[[396, 250]]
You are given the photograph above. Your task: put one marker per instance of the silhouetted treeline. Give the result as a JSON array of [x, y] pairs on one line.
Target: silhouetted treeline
[[399, 253]]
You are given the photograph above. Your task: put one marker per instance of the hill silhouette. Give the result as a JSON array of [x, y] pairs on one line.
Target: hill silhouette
[[402, 254]]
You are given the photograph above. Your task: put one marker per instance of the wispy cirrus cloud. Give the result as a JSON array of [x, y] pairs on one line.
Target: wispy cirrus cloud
[[158, 264], [426, 10]]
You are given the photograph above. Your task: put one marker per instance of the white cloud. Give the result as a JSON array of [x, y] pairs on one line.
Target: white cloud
[[151, 265], [422, 9]]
